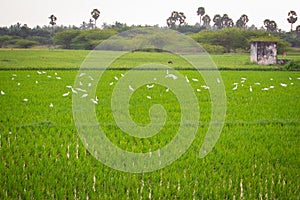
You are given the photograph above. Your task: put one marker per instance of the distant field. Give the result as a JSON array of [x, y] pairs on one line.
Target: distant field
[[42, 156], [72, 59]]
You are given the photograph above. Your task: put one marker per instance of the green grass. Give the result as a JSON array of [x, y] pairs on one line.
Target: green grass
[[68, 59], [42, 156]]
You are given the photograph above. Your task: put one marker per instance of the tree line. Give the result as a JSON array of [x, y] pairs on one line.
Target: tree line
[[221, 34]]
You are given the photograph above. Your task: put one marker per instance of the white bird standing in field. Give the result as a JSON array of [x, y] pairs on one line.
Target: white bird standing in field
[[187, 80], [2, 93], [171, 76], [51, 105], [250, 88], [283, 84], [236, 86], [131, 88], [150, 86], [66, 94], [84, 95], [25, 100]]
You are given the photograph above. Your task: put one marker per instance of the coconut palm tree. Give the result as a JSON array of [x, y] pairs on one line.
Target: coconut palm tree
[[206, 20], [241, 23], [292, 18], [95, 14], [52, 20], [200, 12], [217, 20]]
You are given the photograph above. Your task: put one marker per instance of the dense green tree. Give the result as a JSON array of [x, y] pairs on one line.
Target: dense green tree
[[95, 14], [64, 38], [292, 18], [201, 12]]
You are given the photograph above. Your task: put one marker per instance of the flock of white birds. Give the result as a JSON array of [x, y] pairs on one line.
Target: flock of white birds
[[84, 93]]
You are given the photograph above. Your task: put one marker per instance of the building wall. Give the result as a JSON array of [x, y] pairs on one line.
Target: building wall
[[263, 52]]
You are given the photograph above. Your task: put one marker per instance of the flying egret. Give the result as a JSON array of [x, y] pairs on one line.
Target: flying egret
[[66, 94], [171, 76], [130, 88]]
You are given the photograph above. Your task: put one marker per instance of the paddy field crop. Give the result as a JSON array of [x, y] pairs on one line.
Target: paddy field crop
[[43, 157]]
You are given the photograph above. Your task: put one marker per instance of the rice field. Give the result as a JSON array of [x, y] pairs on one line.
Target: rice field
[[43, 157]]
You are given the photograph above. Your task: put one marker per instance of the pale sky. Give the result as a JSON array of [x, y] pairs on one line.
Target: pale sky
[[141, 12]]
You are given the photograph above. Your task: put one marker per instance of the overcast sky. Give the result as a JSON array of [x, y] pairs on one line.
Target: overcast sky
[[141, 12]]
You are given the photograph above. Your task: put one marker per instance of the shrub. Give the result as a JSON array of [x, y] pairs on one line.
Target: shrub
[[293, 65], [215, 49]]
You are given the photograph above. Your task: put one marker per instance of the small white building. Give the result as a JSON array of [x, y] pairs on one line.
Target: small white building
[[263, 52]]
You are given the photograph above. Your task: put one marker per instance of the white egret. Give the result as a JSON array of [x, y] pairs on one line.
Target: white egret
[[122, 75], [218, 80], [74, 91], [205, 87], [49, 76], [283, 84], [66, 94], [14, 74], [168, 89], [116, 78], [235, 88], [69, 86], [36, 82], [89, 84], [150, 86], [81, 74], [19, 84], [195, 80], [198, 90], [84, 95], [51, 105], [80, 90], [25, 100], [131, 88], [91, 78], [80, 83], [171, 76], [250, 88], [94, 101], [257, 83], [148, 97], [58, 78], [265, 89], [187, 80], [111, 83], [2, 93], [290, 78], [272, 87], [38, 72]]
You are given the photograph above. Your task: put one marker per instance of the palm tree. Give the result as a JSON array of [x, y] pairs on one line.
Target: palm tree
[[206, 20], [241, 23], [95, 14], [226, 21], [176, 16], [270, 25], [292, 18], [200, 12], [217, 20], [52, 20]]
